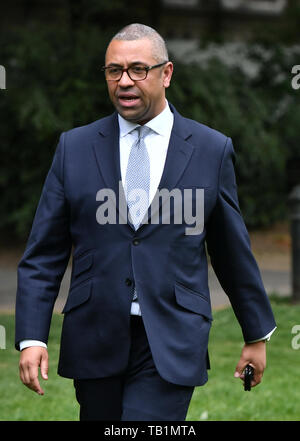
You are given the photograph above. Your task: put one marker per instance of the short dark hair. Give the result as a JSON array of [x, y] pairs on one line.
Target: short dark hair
[[137, 31]]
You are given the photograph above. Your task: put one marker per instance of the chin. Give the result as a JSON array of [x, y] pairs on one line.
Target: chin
[[129, 116]]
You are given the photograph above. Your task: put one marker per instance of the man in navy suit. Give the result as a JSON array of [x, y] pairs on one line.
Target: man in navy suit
[[138, 314]]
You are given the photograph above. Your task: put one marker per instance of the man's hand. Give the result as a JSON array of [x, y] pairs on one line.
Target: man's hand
[[255, 355], [30, 360]]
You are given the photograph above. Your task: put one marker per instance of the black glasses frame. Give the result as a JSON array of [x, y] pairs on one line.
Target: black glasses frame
[[122, 70]]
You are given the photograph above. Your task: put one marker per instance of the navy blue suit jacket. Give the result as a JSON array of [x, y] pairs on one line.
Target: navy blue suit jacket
[[168, 266]]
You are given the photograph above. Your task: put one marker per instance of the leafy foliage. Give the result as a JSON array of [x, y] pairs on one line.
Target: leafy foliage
[[54, 83], [260, 115]]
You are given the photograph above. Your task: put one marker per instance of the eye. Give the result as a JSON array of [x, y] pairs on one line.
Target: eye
[[138, 69], [114, 70]]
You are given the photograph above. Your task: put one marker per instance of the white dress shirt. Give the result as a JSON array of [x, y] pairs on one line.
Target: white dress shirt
[[157, 146], [156, 143]]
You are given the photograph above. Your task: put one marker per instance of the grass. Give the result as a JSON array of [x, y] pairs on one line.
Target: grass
[[221, 399], [276, 398]]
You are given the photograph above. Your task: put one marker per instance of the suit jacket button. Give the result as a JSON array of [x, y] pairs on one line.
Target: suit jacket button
[[136, 241], [128, 282]]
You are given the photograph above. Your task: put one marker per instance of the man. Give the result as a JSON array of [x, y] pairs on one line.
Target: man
[[138, 314]]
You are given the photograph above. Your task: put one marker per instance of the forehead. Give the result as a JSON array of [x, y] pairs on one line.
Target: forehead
[[126, 52]]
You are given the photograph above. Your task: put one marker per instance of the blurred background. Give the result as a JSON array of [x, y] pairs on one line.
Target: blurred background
[[233, 64]]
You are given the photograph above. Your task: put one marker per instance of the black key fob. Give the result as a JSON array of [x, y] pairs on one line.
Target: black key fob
[[248, 373]]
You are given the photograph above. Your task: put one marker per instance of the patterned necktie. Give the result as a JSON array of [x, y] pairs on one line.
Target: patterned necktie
[[138, 178], [138, 181]]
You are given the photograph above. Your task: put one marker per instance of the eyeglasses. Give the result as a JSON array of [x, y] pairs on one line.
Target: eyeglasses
[[137, 72]]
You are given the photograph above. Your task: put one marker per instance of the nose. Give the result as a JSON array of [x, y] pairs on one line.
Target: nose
[[125, 80]]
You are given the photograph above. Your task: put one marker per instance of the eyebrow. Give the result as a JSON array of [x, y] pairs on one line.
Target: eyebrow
[[131, 64]]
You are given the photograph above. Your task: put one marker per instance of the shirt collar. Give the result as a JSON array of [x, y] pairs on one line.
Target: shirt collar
[[161, 124]]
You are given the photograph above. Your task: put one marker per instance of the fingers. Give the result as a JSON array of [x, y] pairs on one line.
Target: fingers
[[257, 377], [29, 377], [258, 373], [239, 373], [44, 366], [240, 368], [31, 359], [253, 354]]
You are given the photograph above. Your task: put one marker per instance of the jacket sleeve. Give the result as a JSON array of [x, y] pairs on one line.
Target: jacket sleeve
[[228, 245], [47, 253]]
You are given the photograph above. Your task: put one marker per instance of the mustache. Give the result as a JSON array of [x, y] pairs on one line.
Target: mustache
[[127, 94]]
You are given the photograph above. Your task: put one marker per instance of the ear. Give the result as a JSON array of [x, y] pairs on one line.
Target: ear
[[167, 74]]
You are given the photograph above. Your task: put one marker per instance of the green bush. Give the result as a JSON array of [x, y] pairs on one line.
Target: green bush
[[54, 83], [260, 117], [51, 87]]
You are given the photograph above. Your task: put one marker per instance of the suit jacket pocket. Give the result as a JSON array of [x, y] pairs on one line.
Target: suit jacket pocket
[[82, 264], [78, 296], [192, 300]]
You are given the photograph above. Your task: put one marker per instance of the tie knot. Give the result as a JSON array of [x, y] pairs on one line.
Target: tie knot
[[143, 131]]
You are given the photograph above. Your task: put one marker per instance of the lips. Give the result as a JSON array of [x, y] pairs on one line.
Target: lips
[[128, 99]]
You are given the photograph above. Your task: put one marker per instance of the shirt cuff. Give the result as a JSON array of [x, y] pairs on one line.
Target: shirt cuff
[[265, 338], [28, 343]]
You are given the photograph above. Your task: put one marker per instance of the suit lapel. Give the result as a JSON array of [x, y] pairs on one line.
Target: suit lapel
[[107, 153], [178, 157], [179, 153]]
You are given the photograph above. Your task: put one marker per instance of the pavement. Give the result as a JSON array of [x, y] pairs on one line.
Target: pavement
[[275, 280]]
